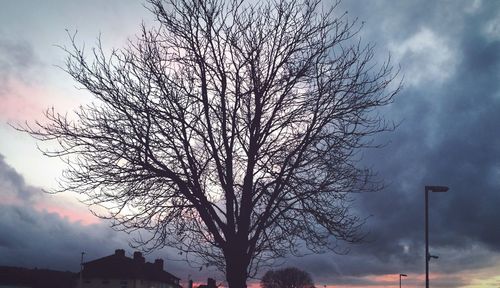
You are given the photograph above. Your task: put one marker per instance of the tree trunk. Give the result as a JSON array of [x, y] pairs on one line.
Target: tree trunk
[[236, 268], [236, 276]]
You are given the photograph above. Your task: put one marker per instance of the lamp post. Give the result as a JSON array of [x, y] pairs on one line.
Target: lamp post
[[401, 275], [427, 255], [81, 270]]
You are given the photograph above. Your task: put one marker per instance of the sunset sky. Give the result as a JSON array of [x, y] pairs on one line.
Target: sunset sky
[[449, 134]]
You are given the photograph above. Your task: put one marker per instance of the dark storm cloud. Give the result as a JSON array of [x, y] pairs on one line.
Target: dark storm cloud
[[449, 135], [38, 238], [470, 152], [12, 184], [33, 237]]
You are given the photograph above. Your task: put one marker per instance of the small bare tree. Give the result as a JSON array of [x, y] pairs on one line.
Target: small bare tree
[[290, 277], [228, 130]]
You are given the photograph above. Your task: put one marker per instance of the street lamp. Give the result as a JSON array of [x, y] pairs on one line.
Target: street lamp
[[401, 275], [427, 255], [81, 270]]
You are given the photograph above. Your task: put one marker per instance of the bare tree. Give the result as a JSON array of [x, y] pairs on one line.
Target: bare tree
[[290, 277], [229, 130]]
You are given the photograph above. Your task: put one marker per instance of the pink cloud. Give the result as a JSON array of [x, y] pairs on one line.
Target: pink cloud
[[10, 200], [64, 208], [379, 281], [14, 192], [73, 214], [21, 101]]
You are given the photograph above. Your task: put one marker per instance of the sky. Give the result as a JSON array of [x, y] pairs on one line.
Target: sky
[[449, 134]]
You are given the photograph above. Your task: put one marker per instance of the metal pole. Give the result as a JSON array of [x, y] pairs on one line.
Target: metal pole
[[401, 275], [81, 270], [426, 238], [427, 255]]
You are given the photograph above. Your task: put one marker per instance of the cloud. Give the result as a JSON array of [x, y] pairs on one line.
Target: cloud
[[491, 28], [20, 68], [15, 191], [424, 57], [33, 236], [449, 135], [17, 60], [45, 231], [25, 89], [12, 185]]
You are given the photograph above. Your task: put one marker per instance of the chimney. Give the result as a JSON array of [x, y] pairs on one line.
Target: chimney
[[190, 285], [159, 264], [120, 252], [211, 283], [138, 257]]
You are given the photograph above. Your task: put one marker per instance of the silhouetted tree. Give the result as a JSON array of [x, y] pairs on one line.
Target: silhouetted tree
[[290, 277], [229, 130]]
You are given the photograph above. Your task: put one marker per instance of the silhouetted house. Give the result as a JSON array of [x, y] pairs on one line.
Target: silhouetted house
[[35, 278], [210, 284], [119, 271]]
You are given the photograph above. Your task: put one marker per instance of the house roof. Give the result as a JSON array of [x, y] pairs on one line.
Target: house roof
[[36, 278], [120, 266]]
